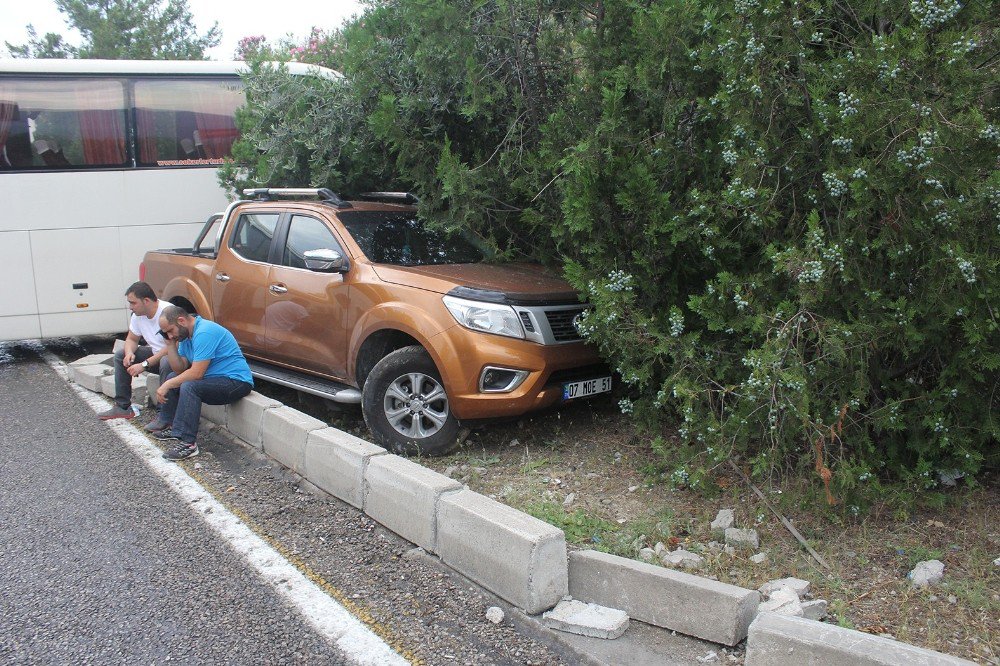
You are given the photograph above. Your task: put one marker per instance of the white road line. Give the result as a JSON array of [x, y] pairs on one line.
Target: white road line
[[329, 618]]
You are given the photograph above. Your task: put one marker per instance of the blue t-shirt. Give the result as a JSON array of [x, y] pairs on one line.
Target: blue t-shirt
[[213, 343]]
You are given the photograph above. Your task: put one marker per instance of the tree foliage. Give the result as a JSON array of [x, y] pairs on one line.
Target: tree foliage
[[123, 29], [784, 213]]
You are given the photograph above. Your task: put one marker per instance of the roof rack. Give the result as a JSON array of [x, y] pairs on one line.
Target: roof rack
[[324, 194], [391, 197]]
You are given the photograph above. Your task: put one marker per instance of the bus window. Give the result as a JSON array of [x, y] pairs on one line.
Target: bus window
[[184, 121], [58, 124]]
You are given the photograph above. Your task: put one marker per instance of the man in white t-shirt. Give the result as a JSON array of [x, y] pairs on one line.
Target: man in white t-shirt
[[133, 359]]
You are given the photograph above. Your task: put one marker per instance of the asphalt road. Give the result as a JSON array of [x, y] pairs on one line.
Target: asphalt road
[[101, 563]]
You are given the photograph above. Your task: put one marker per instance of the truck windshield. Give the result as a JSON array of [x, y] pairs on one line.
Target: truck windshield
[[402, 239]]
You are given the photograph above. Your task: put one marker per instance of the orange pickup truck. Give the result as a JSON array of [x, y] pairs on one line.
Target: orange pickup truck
[[360, 302]]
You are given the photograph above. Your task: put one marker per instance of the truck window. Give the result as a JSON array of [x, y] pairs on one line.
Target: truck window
[[304, 234], [401, 238], [252, 236]]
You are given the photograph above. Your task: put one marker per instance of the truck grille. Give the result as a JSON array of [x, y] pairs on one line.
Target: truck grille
[[561, 323]]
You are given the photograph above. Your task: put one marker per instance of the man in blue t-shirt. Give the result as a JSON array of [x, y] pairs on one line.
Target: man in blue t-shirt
[[208, 367]]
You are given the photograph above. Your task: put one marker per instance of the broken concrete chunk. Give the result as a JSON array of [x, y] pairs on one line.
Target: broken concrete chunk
[[926, 573], [759, 558], [783, 601], [682, 558], [742, 538], [647, 554], [723, 521], [576, 617], [814, 610], [494, 614], [797, 585]]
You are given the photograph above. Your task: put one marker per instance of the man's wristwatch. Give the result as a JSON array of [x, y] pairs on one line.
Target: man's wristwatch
[[145, 364]]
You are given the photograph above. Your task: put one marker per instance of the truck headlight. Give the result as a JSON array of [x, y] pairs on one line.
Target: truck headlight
[[485, 317]]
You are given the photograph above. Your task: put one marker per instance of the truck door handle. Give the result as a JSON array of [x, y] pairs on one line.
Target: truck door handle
[[278, 289], [222, 277]]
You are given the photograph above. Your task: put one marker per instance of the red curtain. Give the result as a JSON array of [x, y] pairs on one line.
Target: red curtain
[[101, 124], [217, 134], [103, 137], [6, 116], [146, 125]]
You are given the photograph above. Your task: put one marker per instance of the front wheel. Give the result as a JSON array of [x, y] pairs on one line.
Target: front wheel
[[406, 407]]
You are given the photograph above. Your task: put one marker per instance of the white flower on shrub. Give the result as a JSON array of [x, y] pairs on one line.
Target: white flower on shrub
[[932, 13], [848, 104], [967, 268], [676, 322], [835, 185], [619, 281]]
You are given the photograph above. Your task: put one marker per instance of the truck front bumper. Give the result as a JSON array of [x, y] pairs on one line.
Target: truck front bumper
[[461, 356]]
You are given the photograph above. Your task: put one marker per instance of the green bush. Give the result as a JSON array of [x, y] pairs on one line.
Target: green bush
[[805, 242], [784, 214]]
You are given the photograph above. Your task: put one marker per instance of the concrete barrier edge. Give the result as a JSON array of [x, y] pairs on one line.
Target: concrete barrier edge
[[768, 635]]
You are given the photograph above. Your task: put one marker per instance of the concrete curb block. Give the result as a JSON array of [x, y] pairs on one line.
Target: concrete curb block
[[108, 385], [685, 603], [403, 496], [514, 555], [152, 384], [779, 640], [93, 359], [245, 418], [139, 390], [89, 376], [217, 414], [335, 462], [284, 431], [138, 387]]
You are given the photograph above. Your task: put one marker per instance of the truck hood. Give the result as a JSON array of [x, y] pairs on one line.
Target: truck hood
[[514, 284]]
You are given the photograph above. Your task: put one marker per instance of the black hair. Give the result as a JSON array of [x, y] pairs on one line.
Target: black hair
[[141, 290]]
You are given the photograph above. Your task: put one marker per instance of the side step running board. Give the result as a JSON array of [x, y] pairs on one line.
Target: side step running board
[[324, 388]]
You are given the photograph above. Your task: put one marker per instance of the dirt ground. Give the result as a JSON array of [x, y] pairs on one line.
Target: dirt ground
[[588, 471]]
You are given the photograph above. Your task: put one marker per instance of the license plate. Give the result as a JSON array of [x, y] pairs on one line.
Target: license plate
[[586, 388]]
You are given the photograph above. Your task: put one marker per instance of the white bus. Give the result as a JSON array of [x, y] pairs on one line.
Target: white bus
[[101, 160]]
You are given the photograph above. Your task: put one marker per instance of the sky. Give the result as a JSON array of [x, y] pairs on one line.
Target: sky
[[237, 19]]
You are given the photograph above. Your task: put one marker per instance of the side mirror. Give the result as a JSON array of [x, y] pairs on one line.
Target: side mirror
[[324, 261]]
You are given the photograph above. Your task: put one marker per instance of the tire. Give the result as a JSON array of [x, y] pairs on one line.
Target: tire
[[397, 422]]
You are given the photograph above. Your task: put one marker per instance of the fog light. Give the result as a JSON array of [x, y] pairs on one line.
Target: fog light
[[500, 380]]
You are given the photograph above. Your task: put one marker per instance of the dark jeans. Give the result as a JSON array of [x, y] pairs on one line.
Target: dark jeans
[[123, 380], [182, 407]]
